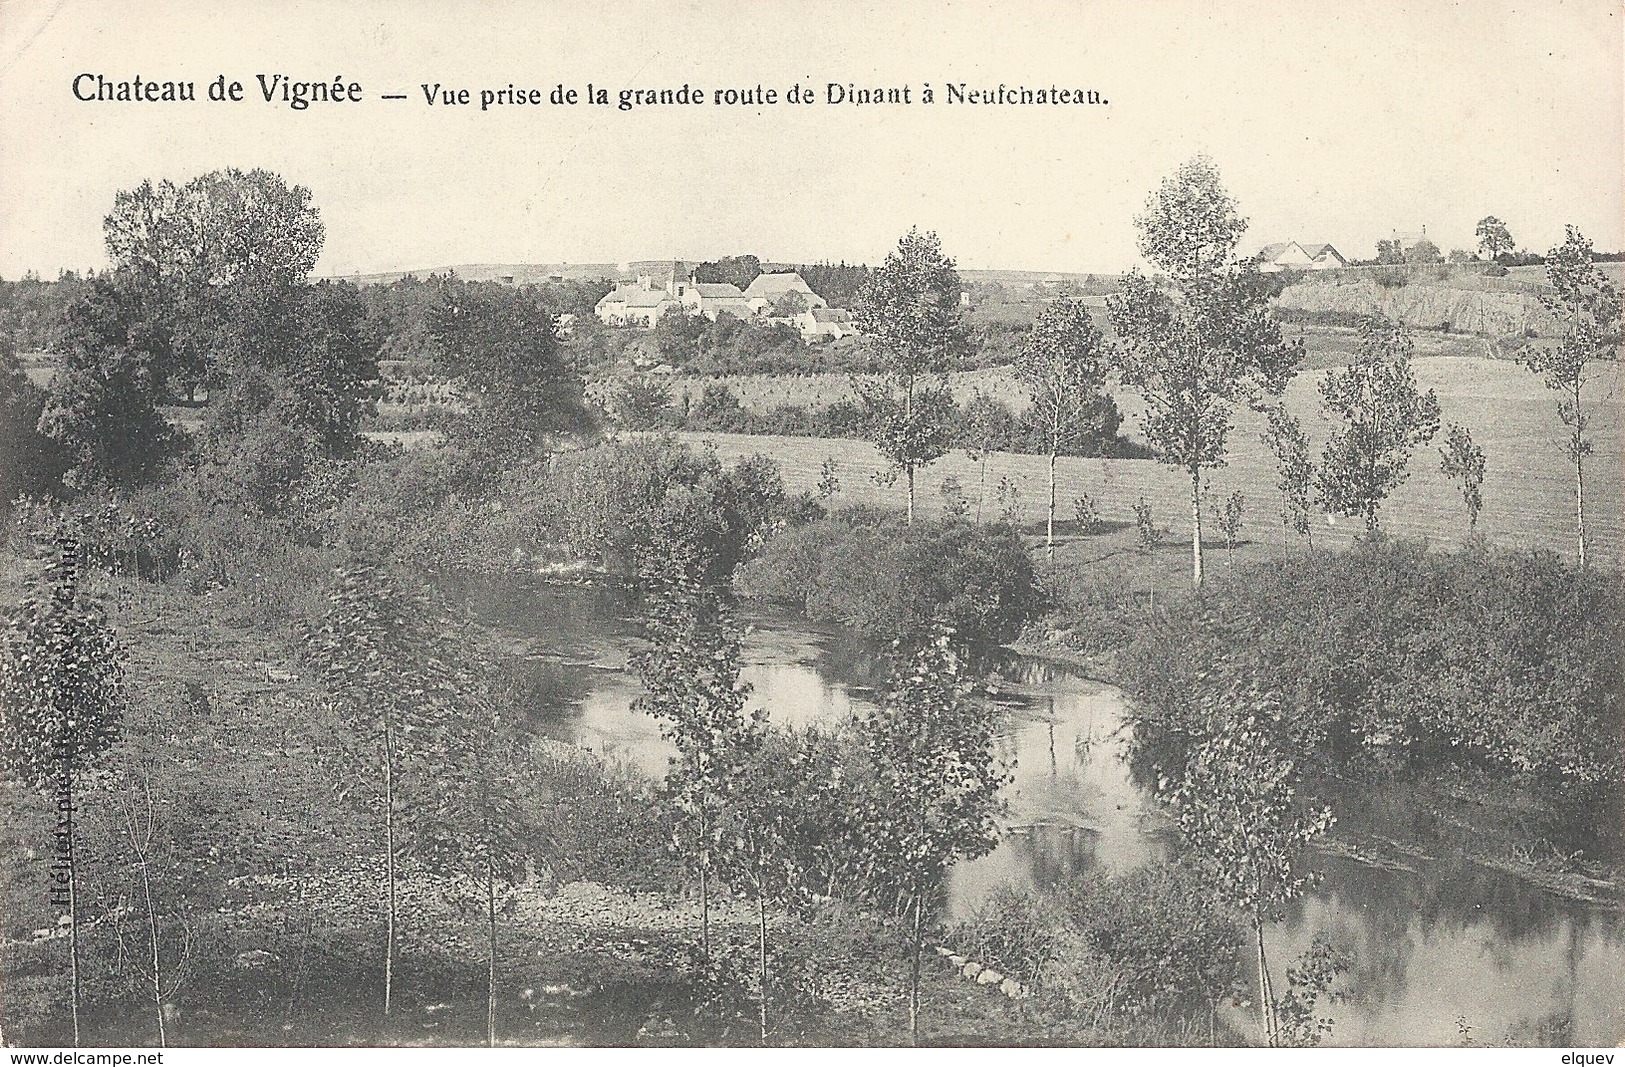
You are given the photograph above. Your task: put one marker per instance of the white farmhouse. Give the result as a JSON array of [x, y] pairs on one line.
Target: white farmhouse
[[768, 289], [1292, 255], [642, 302], [714, 298], [824, 324]]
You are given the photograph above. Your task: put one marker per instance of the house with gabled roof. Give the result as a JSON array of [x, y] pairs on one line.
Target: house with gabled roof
[[1293, 255], [637, 303], [768, 289], [715, 298], [825, 324]]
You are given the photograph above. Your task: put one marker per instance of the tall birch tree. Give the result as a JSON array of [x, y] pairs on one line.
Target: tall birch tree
[[1204, 340]]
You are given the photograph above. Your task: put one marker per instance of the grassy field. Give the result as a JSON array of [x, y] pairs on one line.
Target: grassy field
[[1324, 346], [1528, 489]]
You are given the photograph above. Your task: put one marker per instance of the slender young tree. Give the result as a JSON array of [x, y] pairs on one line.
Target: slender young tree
[[1587, 307], [981, 433], [936, 788], [1206, 340], [762, 814], [691, 680], [1294, 473], [152, 860], [1227, 516], [1151, 535], [1061, 366], [469, 826], [1463, 463], [378, 652], [911, 308], [62, 700], [1380, 419], [1238, 810]]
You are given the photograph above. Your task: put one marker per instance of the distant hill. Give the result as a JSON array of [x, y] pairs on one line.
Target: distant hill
[[1032, 277], [517, 273], [536, 273]]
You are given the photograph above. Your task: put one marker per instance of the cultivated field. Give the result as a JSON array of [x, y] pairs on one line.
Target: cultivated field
[[1528, 490]]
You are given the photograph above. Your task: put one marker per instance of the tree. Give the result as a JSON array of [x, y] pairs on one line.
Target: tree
[[690, 676], [911, 308], [1587, 306], [1193, 352], [765, 831], [62, 699], [935, 797], [738, 271], [1463, 462], [1294, 471], [1238, 810], [642, 403], [162, 866], [1423, 250], [677, 335], [221, 227], [501, 347], [300, 356], [1382, 419], [1228, 518], [1060, 365], [1150, 535], [191, 244], [984, 426], [377, 649], [788, 306], [1494, 239], [469, 825], [31, 464], [1390, 253], [101, 408]]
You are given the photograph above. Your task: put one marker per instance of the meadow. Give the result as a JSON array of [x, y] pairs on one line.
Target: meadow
[[1528, 488]]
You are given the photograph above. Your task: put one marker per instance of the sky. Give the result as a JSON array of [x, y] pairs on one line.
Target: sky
[[1328, 121]]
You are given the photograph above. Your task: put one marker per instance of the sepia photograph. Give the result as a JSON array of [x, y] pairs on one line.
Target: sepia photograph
[[695, 523]]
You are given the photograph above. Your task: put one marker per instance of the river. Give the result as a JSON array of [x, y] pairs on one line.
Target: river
[[1447, 950]]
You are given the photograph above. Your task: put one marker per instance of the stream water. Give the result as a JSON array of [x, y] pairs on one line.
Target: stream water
[[1446, 950]]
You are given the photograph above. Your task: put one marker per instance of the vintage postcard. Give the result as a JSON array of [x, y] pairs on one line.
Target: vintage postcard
[[847, 524]]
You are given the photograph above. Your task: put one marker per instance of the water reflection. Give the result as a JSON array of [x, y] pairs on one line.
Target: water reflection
[[1447, 950]]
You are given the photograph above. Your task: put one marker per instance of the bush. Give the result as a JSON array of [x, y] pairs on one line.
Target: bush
[[639, 504], [603, 821], [1508, 660], [1092, 603], [1153, 943], [890, 580]]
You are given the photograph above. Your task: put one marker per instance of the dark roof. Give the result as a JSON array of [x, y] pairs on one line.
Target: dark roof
[[718, 291]]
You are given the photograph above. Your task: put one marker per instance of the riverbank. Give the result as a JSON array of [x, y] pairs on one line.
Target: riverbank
[[1478, 812]]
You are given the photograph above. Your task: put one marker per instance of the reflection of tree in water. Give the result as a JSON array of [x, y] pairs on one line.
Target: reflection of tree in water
[[1053, 853], [545, 695], [560, 617], [1450, 809]]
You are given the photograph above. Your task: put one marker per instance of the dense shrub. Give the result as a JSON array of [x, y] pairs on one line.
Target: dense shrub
[[1155, 942], [887, 579], [603, 821], [1510, 660], [1092, 605], [649, 503]]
